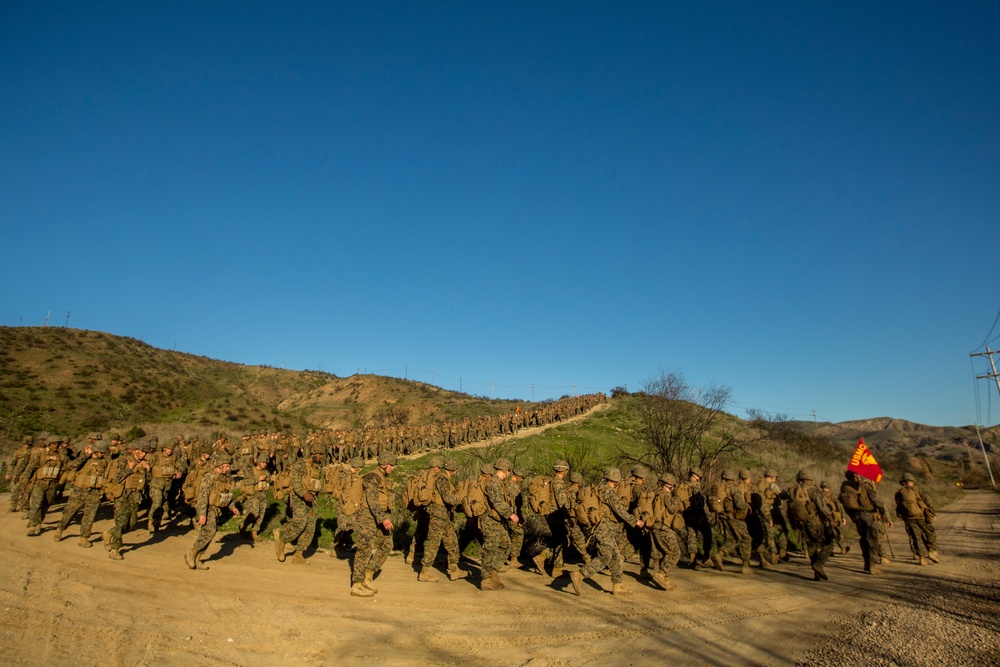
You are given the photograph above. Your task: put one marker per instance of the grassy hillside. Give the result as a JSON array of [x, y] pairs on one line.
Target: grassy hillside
[[72, 381]]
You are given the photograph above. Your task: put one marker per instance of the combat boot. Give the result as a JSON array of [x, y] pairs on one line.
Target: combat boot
[[885, 561], [539, 561], [921, 560], [58, 535], [454, 574], [774, 559], [933, 555], [369, 582], [491, 584], [783, 555], [106, 538], [85, 543], [191, 559], [765, 563], [619, 589], [746, 567], [661, 581], [279, 546], [819, 572], [409, 558], [871, 569], [427, 574], [114, 555], [360, 591], [717, 561], [576, 578], [505, 567], [299, 558], [255, 535], [34, 530]]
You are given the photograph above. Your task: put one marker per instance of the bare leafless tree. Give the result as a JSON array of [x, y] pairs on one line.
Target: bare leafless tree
[[677, 422]]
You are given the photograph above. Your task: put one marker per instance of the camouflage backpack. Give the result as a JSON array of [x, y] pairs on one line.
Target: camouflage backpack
[[351, 494], [717, 498], [423, 491], [541, 496], [472, 498], [800, 506], [282, 484], [333, 478], [646, 507], [590, 509]]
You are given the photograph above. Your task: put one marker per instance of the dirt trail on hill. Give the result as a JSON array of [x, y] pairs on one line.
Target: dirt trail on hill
[[61, 604], [524, 432]]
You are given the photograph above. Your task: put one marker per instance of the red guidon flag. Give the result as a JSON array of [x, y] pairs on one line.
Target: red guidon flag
[[863, 463]]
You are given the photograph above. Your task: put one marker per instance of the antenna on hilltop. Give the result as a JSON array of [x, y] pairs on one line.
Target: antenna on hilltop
[[67, 318], [47, 316]]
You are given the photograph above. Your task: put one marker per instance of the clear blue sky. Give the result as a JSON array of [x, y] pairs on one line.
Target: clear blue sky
[[797, 201]]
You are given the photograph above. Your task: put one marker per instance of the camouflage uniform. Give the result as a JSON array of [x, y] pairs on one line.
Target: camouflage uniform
[[307, 481], [914, 507], [15, 469], [88, 484], [514, 485], [164, 469], [256, 482], [496, 538], [126, 505], [862, 503], [348, 511], [43, 474], [665, 549], [440, 529], [215, 493], [557, 519], [807, 514], [577, 538], [608, 535], [697, 520], [761, 518], [373, 538], [732, 524], [839, 515]]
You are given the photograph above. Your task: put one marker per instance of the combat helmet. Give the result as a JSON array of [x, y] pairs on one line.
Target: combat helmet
[[668, 478]]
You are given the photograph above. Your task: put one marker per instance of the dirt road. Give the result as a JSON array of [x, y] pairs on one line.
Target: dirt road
[[61, 604]]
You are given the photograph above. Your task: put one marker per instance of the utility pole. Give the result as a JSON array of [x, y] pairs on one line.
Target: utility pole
[[406, 371], [815, 423], [432, 376], [67, 319], [47, 316], [532, 392], [493, 385], [460, 384], [996, 379]]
